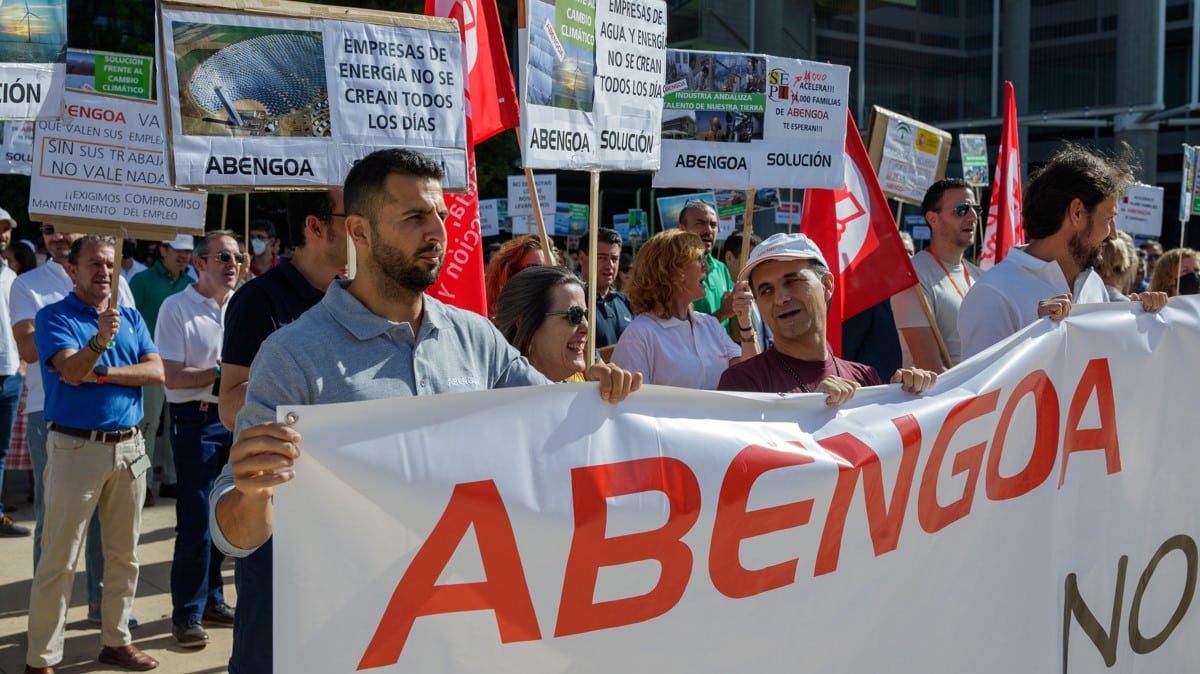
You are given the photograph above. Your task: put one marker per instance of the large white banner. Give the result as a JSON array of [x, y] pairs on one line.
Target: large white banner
[[104, 165], [742, 121], [260, 101], [1036, 512], [593, 84]]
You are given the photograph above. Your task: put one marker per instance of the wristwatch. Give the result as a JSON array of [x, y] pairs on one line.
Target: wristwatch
[[101, 372]]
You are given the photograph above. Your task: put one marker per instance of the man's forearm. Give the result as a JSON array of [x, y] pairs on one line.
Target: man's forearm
[[245, 521], [178, 376], [141, 374]]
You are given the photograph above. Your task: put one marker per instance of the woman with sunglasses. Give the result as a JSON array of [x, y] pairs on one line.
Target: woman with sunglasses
[[542, 312], [668, 342]]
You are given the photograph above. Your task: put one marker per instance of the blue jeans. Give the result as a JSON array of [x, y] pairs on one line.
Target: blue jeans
[[253, 651], [35, 437], [201, 448], [10, 397]]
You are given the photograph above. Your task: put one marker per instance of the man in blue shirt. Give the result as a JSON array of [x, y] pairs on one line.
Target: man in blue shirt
[[94, 361]]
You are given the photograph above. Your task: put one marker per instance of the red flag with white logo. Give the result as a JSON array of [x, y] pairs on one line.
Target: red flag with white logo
[[1004, 228], [490, 91], [856, 232], [492, 107]]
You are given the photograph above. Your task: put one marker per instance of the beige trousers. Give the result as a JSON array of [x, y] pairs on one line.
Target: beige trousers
[[80, 477]]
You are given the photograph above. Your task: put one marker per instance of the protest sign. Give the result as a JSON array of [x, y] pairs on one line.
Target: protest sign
[[669, 208], [287, 94], [109, 73], [33, 46], [740, 121], [489, 217], [908, 155], [1187, 183], [519, 200], [1141, 210], [1022, 516], [973, 148], [16, 156], [102, 167], [593, 84]]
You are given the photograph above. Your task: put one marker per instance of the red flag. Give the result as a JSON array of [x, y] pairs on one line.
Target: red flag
[[491, 94], [492, 107], [856, 232], [1004, 228]]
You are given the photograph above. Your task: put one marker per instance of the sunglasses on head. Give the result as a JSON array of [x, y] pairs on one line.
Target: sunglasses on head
[[225, 257], [575, 315], [961, 209]]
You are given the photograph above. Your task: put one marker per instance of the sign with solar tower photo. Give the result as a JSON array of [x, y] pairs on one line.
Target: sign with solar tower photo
[[289, 95]]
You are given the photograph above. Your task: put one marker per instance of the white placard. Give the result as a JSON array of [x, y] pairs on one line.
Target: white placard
[[593, 84], [741, 121], [16, 156], [489, 217], [519, 201], [260, 101], [1141, 210], [104, 163], [910, 160]]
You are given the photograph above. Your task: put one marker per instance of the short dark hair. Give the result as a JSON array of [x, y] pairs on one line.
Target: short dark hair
[[603, 235], [264, 225], [1072, 172], [300, 205], [366, 180], [733, 243], [524, 301], [78, 244], [933, 195]]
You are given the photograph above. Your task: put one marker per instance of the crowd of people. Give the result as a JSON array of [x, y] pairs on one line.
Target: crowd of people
[[220, 336]]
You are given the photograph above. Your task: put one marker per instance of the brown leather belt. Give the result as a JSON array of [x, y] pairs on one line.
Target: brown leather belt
[[110, 437]]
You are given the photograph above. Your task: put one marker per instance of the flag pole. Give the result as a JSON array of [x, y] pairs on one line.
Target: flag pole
[[547, 247], [225, 211], [593, 243], [791, 207], [747, 228]]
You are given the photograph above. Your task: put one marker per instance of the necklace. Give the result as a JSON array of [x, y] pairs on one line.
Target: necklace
[[966, 275], [783, 360]]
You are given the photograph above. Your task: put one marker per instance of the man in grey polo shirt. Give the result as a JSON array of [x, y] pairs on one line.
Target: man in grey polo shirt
[[378, 336]]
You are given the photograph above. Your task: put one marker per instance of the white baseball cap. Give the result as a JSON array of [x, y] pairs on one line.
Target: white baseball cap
[[183, 242], [5, 216], [782, 247]]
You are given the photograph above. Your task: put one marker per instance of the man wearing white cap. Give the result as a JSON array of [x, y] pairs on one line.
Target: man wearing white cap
[[792, 285], [167, 277]]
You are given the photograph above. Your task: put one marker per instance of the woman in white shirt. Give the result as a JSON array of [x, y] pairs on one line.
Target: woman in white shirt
[[668, 342]]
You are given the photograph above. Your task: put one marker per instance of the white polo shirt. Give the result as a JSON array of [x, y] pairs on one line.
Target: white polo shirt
[[189, 331], [675, 352], [1006, 298], [30, 292]]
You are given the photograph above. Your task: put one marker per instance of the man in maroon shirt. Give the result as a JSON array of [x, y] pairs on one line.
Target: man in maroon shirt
[[792, 285]]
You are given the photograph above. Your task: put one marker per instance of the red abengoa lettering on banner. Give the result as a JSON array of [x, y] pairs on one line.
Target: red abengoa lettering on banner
[[505, 592]]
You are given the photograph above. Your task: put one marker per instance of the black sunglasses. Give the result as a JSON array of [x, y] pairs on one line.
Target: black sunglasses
[[225, 257], [961, 209], [48, 230], [575, 315]]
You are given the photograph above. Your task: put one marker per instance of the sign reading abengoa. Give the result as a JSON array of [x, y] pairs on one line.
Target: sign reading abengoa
[[698, 531]]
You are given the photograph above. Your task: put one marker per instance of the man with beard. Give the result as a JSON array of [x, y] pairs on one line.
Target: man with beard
[[1070, 209], [377, 336]]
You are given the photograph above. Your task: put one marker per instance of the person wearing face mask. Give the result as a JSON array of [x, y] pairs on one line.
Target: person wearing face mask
[[264, 247], [669, 342], [1176, 272]]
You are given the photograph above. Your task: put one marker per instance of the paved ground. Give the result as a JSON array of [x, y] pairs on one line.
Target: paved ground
[[152, 606]]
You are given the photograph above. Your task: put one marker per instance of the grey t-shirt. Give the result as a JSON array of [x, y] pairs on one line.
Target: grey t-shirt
[[339, 351]]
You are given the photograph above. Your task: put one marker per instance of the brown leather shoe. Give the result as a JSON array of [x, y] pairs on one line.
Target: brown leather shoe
[[127, 657], [38, 670]]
